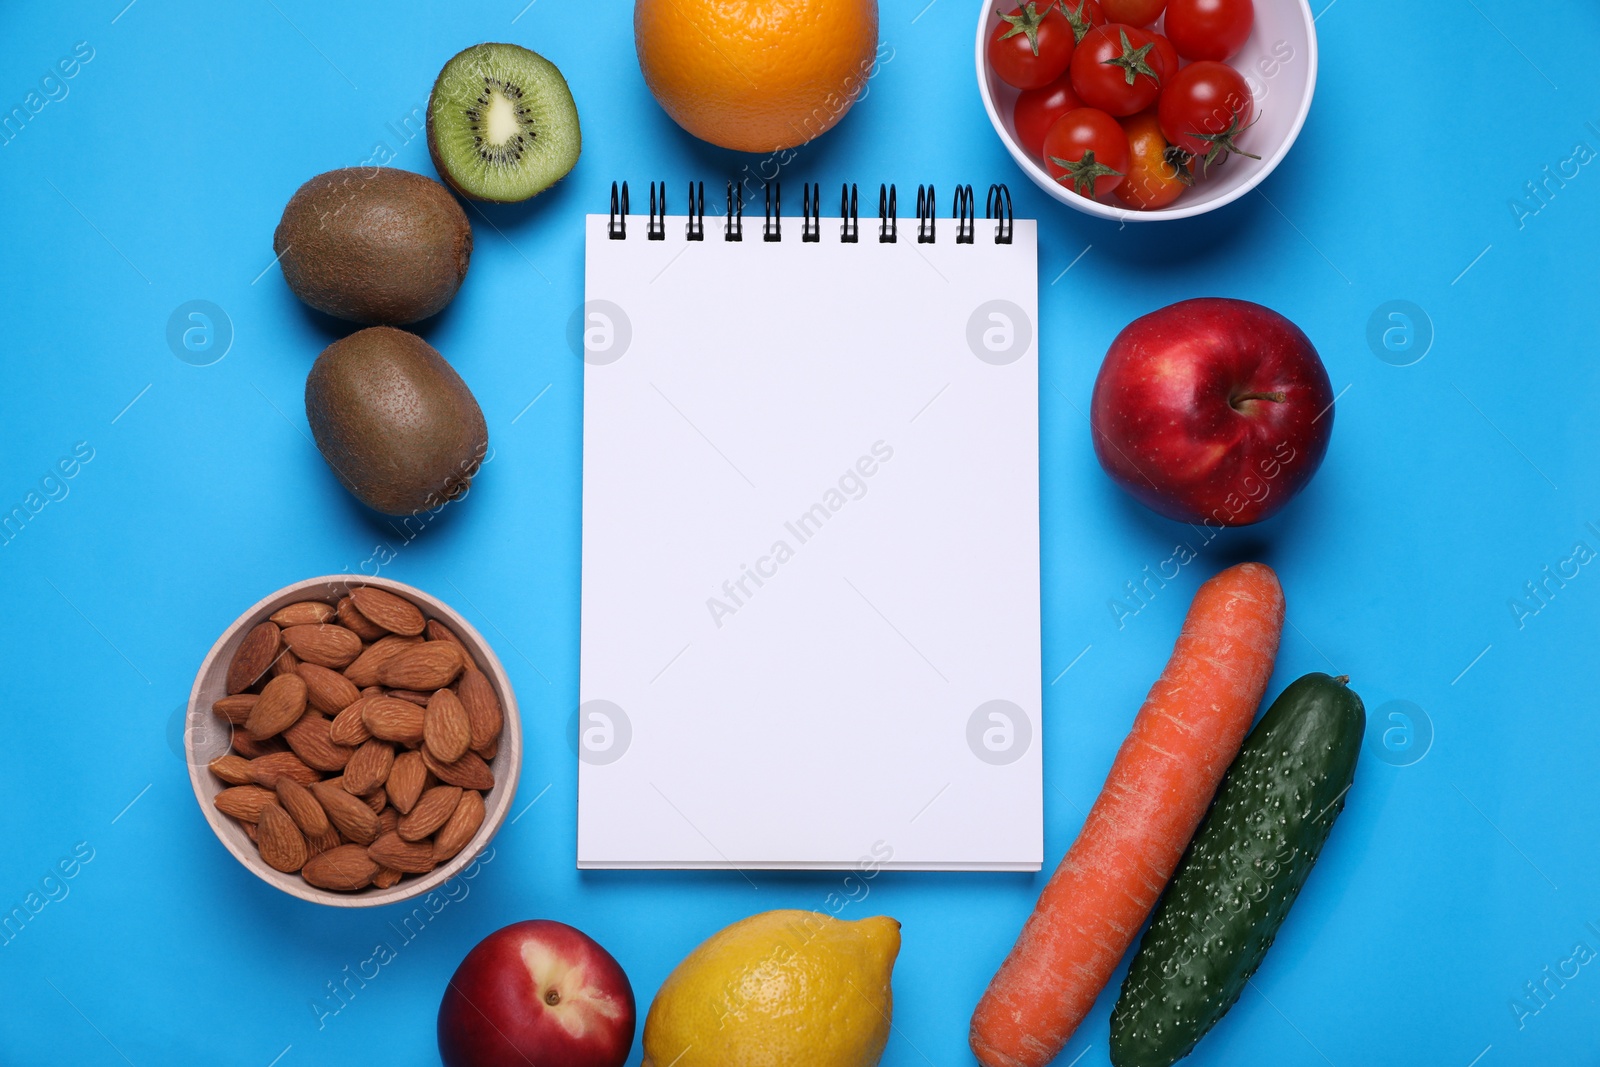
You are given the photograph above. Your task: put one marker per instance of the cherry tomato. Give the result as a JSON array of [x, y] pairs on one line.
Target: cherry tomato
[[1158, 172], [1204, 109], [1209, 29], [1114, 70], [1038, 109], [1087, 152], [1083, 14], [1030, 48], [1164, 58], [1133, 12]]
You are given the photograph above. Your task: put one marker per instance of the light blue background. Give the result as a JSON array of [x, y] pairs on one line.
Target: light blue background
[[158, 179]]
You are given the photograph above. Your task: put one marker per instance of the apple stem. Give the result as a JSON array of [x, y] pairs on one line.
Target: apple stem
[[1276, 398]]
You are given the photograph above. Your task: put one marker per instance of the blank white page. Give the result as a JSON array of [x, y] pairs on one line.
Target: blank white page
[[810, 619]]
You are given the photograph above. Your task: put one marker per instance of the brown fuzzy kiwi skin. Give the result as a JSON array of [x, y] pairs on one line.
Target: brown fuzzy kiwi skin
[[395, 422], [374, 245]]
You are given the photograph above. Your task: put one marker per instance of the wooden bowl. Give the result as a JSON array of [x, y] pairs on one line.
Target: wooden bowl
[[206, 737]]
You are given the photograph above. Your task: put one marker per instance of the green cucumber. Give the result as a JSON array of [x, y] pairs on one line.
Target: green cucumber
[[1242, 872]]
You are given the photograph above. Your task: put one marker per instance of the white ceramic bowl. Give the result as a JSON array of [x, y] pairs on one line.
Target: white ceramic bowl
[[206, 737], [1279, 61]]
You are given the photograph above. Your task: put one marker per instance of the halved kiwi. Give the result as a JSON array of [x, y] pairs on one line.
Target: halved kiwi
[[502, 124]]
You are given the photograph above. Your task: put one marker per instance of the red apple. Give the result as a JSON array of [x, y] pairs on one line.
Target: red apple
[[537, 992], [1212, 411]]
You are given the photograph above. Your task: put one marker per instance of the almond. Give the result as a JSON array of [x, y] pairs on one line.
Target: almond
[[459, 829], [303, 808], [286, 663], [385, 878], [352, 618], [311, 738], [406, 781], [438, 631], [266, 770], [469, 772], [283, 700], [305, 613], [430, 813], [347, 727], [324, 644], [430, 665], [231, 768], [377, 800], [328, 690], [369, 767], [318, 843], [250, 748], [411, 857], [283, 847], [392, 720], [253, 656], [388, 821], [489, 751], [446, 730], [344, 868], [364, 671], [415, 696], [395, 614], [235, 709], [349, 814], [244, 802], [483, 707]]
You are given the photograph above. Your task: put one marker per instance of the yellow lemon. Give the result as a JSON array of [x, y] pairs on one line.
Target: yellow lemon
[[779, 989]]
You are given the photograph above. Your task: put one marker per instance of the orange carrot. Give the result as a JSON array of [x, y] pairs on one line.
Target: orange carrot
[[1188, 731]]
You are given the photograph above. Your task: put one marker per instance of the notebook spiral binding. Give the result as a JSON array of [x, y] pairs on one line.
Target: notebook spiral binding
[[997, 206]]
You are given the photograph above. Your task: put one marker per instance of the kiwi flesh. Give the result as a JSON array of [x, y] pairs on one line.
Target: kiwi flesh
[[502, 124]]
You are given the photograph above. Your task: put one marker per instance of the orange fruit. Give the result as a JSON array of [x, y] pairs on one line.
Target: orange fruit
[[756, 75]]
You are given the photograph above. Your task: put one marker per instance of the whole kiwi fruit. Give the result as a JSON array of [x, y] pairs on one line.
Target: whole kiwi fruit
[[394, 421], [374, 245]]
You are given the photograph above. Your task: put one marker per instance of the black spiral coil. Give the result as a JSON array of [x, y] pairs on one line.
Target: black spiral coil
[[997, 207], [772, 229], [927, 216], [657, 229], [695, 230], [617, 228], [735, 229]]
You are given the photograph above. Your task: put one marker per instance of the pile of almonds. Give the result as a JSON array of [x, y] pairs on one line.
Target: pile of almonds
[[362, 735]]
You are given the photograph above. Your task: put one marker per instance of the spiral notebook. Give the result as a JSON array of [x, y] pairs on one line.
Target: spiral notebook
[[810, 606]]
